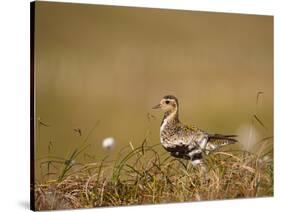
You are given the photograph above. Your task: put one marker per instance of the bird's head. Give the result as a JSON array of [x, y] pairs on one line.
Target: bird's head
[[168, 103]]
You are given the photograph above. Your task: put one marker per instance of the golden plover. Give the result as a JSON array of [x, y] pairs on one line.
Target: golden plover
[[187, 142]]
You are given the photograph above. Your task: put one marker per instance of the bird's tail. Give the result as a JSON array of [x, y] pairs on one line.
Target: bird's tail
[[216, 141]]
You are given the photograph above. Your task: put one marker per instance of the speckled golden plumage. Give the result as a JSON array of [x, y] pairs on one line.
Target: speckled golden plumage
[[188, 142]]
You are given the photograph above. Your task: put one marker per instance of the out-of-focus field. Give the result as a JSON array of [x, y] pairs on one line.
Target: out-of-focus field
[[103, 68]]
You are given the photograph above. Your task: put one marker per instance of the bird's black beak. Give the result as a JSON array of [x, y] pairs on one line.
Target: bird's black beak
[[156, 106]]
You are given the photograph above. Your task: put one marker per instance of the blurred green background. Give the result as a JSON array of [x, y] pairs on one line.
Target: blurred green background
[[113, 64]]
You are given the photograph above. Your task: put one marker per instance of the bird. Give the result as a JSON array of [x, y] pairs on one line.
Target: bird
[[187, 141]]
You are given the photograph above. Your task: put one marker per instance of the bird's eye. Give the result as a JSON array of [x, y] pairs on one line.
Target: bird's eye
[[167, 102]]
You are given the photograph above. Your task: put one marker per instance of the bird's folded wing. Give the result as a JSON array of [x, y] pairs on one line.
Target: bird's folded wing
[[219, 139]]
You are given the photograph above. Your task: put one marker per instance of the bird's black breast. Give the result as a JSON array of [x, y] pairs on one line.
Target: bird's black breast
[[180, 151]]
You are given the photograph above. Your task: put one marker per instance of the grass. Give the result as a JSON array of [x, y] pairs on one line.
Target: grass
[[148, 175]]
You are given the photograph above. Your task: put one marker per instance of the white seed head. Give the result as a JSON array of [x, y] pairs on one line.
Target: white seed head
[[248, 136], [108, 143]]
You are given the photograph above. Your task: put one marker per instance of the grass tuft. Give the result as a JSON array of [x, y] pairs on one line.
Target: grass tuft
[[148, 175]]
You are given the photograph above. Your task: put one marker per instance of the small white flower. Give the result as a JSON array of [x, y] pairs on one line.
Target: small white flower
[[108, 143]]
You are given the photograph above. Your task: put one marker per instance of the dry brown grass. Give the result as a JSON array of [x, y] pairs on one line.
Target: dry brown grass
[[145, 176]]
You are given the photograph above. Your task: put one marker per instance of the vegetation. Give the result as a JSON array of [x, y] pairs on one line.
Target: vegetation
[[148, 175]]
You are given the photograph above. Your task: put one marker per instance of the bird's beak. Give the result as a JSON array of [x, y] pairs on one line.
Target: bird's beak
[[156, 106]]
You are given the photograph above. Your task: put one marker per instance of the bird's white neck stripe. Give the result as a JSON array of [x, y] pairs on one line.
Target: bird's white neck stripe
[[164, 123]]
